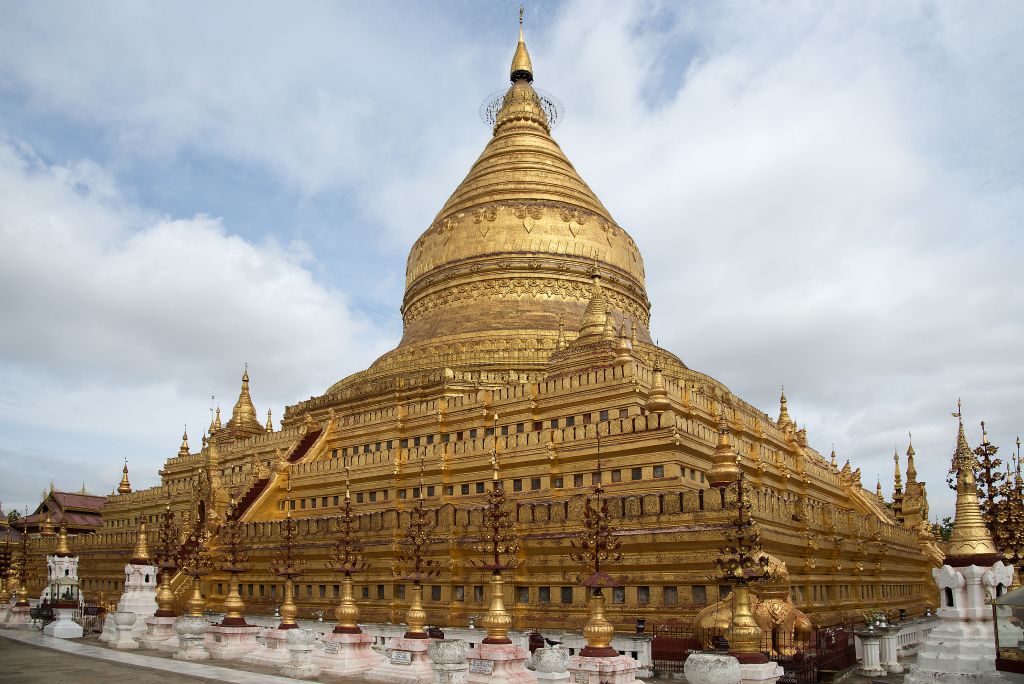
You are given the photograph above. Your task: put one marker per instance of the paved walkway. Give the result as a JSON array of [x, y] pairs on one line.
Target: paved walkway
[[30, 656]]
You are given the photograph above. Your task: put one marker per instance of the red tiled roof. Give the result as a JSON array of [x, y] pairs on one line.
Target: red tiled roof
[[81, 502]]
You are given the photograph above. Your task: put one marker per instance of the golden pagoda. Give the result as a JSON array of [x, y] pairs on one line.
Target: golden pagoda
[[514, 293]]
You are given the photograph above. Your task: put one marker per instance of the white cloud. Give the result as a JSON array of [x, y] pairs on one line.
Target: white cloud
[[121, 323]]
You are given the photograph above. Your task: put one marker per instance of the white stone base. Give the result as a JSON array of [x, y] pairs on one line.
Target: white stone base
[[160, 635], [711, 668], [5, 611], [407, 663], [347, 654], [761, 673], [191, 631], [64, 627], [109, 628], [300, 652], [612, 670], [274, 650], [506, 662], [957, 652], [231, 643], [124, 624], [18, 619]]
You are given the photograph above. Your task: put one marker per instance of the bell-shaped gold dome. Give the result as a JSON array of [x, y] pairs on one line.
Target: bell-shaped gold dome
[[511, 253]]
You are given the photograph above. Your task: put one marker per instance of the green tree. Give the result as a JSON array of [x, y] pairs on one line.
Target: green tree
[[13, 515], [944, 529]]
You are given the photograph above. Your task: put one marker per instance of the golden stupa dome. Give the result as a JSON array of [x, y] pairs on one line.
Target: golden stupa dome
[[511, 255]]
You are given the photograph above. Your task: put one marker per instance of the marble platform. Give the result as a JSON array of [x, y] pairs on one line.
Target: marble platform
[[167, 665]]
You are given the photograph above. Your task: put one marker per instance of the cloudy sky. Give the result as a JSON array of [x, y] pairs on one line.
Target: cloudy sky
[[828, 196]]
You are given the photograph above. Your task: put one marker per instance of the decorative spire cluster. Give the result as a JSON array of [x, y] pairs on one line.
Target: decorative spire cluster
[[594, 548], [499, 544], [233, 558], [346, 557], [288, 565], [417, 542], [167, 561]]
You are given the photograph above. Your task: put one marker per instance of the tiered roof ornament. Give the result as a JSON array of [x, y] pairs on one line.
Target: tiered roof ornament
[[911, 470], [183, 450], [970, 542], [784, 422], [125, 487]]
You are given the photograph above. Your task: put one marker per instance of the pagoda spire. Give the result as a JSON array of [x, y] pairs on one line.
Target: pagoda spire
[[270, 422], [140, 556], [522, 68], [897, 475], [784, 421], [878, 489], [911, 470], [725, 468], [970, 542], [125, 487], [596, 312], [184, 450], [243, 415]]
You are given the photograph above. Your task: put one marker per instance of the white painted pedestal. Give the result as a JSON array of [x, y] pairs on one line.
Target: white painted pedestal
[[139, 595], [407, 663], [18, 619], [63, 627], [160, 634], [712, 668], [191, 631], [551, 665], [761, 673], [871, 659], [231, 642], [274, 650], [109, 628], [448, 660], [888, 650], [499, 664], [124, 627], [300, 653], [347, 654], [612, 670]]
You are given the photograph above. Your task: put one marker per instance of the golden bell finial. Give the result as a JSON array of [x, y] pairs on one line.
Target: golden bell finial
[[595, 314], [835, 463], [657, 399], [140, 556], [270, 422], [125, 487], [46, 528], [522, 68], [622, 355], [878, 489], [62, 542], [725, 469]]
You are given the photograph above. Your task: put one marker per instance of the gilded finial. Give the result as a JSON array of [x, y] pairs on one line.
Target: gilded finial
[[124, 487], [270, 422], [522, 68], [878, 489], [622, 356], [911, 470], [494, 451], [970, 538], [62, 542], [183, 450], [595, 315], [657, 399], [725, 463], [897, 476], [784, 420], [348, 491], [560, 344], [140, 556], [835, 463]]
